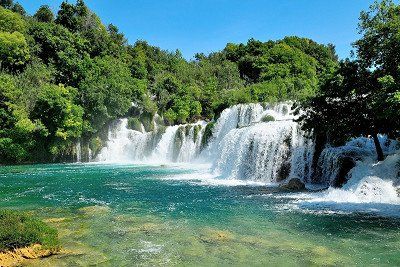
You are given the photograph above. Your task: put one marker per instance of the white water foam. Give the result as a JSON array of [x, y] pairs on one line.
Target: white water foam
[[372, 188], [249, 148]]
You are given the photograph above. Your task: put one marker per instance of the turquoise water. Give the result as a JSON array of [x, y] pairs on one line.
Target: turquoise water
[[124, 215]]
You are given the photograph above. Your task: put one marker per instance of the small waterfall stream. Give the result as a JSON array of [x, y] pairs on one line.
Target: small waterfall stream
[[179, 143]]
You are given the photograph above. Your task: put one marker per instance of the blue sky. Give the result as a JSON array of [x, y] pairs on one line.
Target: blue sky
[[207, 25]]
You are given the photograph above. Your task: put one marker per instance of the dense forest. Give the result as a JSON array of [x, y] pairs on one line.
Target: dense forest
[[64, 77]]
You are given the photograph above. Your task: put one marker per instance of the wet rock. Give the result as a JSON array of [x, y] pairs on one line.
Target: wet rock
[[94, 210], [294, 184], [346, 164], [216, 236]]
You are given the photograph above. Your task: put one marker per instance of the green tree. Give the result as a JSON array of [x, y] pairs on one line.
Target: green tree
[[360, 98], [107, 91], [6, 3], [14, 50], [67, 51], [62, 118], [44, 14], [66, 16], [11, 22], [18, 8]]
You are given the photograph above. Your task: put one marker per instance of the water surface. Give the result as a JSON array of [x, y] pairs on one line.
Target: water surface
[[124, 215]]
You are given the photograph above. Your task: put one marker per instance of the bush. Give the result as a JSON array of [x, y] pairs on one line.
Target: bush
[[147, 120], [11, 22], [135, 124], [20, 230], [268, 118], [208, 132], [95, 144], [14, 50]]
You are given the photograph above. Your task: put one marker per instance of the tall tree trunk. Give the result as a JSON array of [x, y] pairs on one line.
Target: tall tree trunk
[[378, 147]]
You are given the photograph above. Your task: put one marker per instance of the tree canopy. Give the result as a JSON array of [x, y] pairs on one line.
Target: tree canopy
[[65, 76], [361, 96]]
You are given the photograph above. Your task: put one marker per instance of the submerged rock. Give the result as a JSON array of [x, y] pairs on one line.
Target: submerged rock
[[94, 210], [294, 184], [216, 236]]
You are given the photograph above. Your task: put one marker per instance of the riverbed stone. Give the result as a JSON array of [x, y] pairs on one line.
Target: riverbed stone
[[294, 184]]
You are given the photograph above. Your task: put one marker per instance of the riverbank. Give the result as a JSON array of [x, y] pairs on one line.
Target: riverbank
[[25, 237], [20, 256]]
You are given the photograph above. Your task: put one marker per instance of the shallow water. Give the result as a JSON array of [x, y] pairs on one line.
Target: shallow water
[[124, 215]]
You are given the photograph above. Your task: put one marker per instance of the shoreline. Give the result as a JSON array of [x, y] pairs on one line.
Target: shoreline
[[18, 256]]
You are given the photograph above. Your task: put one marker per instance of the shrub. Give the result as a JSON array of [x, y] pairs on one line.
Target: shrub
[[147, 121], [95, 144], [21, 230], [135, 124], [268, 118], [208, 132]]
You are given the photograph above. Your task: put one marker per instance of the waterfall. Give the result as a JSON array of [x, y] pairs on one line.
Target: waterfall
[[261, 143], [252, 142], [248, 142], [372, 187], [179, 143], [78, 151], [332, 159]]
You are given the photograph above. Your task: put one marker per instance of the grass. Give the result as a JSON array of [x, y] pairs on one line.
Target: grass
[[18, 230]]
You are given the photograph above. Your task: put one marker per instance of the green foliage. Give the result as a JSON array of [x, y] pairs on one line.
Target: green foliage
[[208, 132], [107, 91], [56, 45], [14, 51], [196, 131], [95, 144], [16, 131], [67, 16], [360, 97], [18, 8], [134, 124], [11, 22], [267, 118], [44, 14], [147, 120], [6, 3], [62, 118], [65, 79], [20, 230]]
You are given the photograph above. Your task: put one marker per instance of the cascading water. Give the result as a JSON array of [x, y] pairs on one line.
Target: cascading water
[[78, 151], [332, 159], [263, 144], [249, 142], [123, 144], [180, 143]]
